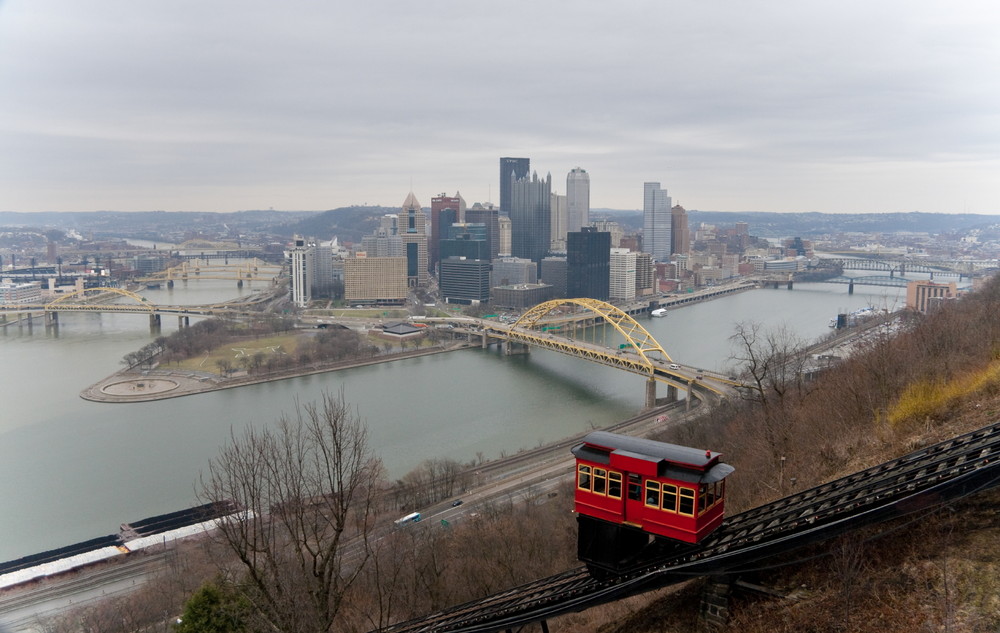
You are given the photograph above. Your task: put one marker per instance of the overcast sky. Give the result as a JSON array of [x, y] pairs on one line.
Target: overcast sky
[[225, 105]]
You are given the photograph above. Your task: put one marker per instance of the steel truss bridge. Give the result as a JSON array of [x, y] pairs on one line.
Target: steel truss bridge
[[953, 268], [97, 300], [252, 270], [615, 340], [874, 280]]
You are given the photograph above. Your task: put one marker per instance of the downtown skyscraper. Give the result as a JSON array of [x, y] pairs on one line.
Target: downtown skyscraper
[[519, 167], [578, 199], [657, 219], [530, 217]]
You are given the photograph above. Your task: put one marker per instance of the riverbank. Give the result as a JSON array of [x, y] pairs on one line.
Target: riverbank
[[132, 385]]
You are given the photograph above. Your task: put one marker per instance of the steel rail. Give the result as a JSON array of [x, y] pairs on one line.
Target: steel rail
[[921, 480]]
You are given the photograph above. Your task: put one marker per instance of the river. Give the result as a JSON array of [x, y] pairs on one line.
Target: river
[[71, 470]]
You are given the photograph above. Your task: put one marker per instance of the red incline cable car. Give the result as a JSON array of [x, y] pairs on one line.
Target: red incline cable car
[[631, 492]]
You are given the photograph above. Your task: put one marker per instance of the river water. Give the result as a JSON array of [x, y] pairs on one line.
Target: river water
[[71, 470]]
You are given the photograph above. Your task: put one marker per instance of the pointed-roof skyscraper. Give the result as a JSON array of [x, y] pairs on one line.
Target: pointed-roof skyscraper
[[412, 228]]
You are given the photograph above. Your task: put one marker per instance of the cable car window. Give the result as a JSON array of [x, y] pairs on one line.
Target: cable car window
[[583, 479], [653, 494], [686, 505], [600, 481], [670, 497], [634, 489], [708, 496], [615, 485]]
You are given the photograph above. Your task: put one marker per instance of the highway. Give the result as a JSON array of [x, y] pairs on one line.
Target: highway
[[23, 608]]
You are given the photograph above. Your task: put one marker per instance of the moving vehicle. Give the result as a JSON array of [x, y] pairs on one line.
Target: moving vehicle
[[413, 517], [633, 493]]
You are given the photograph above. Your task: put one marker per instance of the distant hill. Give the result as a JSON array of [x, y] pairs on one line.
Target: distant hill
[[767, 224], [350, 224]]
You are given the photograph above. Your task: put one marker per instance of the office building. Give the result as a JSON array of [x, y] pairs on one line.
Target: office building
[[510, 271], [680, 236], [588, 264], [530, 217], [645, 275], [521, 296], [511, 169], [554, 274], [465, 240], [375, 280], [615, 229], [487, 215], [323, 285], [924, 296], [14, 292], [578, 199], [559, 211], [657, 218], [453, 209], [301, 271], [503, 224], [383, 243], [621, 284], [465, 281], [412, 230]]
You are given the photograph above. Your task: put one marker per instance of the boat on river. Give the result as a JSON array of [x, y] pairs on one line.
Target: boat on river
[[659, 312]]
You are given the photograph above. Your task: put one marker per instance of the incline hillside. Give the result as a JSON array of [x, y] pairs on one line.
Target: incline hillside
[[938, 378]]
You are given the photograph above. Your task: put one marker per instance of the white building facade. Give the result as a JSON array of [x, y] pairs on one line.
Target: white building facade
[[622, 281], [301, 255]]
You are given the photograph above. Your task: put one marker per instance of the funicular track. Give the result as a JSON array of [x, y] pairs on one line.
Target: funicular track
[[920, 481]]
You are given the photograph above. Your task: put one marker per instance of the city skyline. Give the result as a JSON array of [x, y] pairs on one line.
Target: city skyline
[[186, 106]]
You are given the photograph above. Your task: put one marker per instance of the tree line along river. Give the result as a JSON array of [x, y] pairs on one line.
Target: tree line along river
[[72, 470]]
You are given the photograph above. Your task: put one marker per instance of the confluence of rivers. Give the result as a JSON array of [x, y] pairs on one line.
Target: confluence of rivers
[[71, 470]]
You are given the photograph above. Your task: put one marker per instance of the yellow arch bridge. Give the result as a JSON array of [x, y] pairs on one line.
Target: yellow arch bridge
[[615, 339]]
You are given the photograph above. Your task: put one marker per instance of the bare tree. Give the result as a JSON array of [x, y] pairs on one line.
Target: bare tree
[[771, 361], [306, 490]]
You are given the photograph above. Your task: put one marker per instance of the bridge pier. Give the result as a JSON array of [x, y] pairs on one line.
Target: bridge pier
[[183, 321], [650, 393], [789, 284], [850, 287], [671, 393], [690, 396], [154, 323], [51, 319], [511, 348]]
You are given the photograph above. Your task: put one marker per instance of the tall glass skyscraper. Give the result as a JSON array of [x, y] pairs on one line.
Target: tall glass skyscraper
[[588, 264], [530, 219], [657, 219], [578, 199], [517, 166]]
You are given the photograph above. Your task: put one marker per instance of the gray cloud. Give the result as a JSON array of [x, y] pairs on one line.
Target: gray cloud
[[228, 105]]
